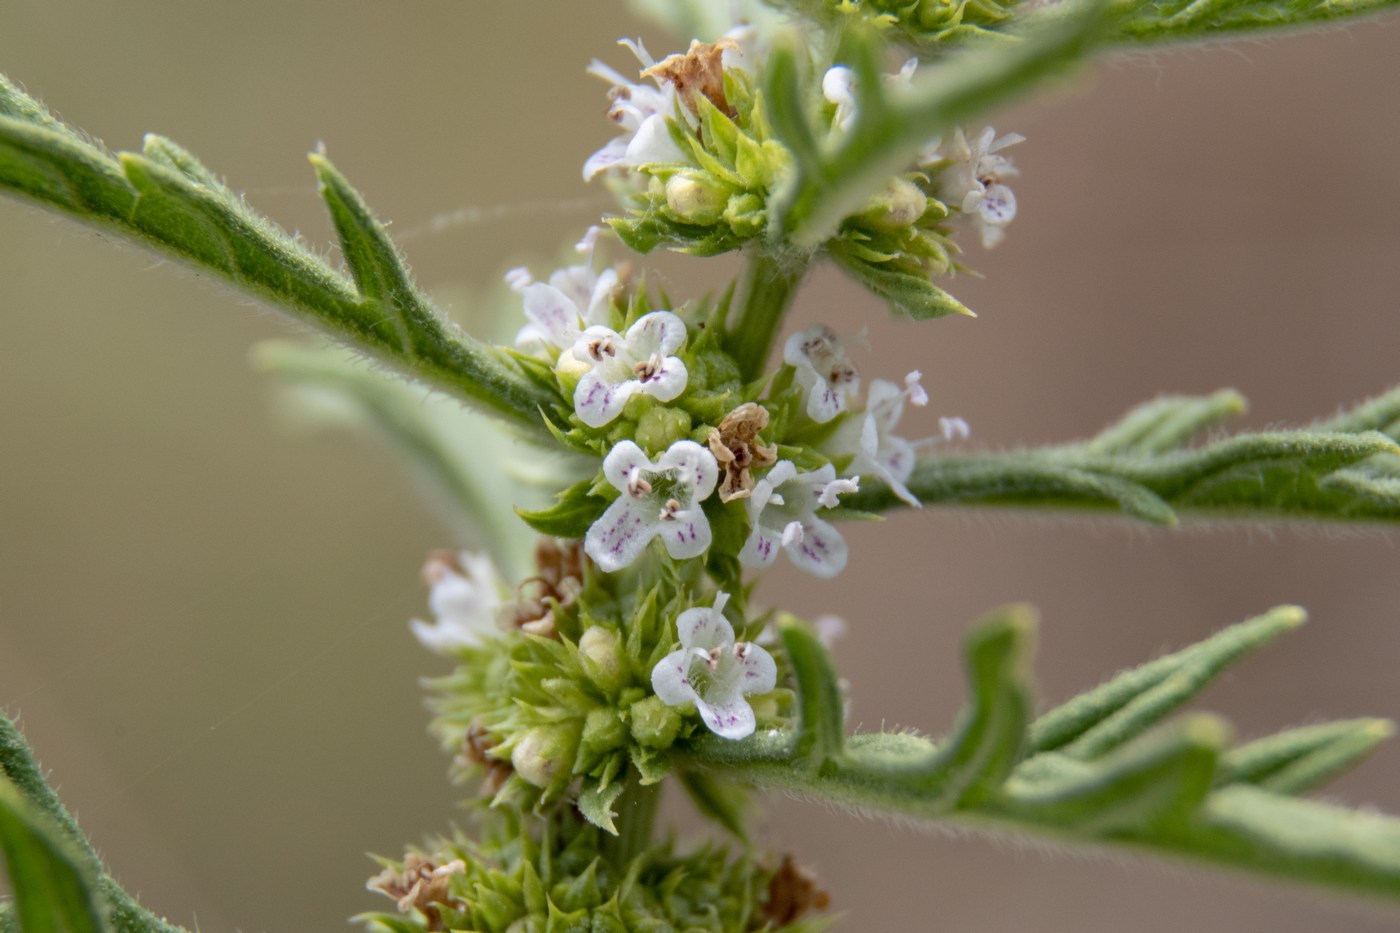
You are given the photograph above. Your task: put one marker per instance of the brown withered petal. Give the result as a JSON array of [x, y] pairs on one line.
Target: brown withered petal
[[558, 583], [698, 72], [791, 893], [735, 445], [423, 885]]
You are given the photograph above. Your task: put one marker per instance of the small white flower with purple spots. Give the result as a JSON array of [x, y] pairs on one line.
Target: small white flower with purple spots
[[782, 513], [464, 594], [661, 498], [822, 370], [714, 672], [622, 366], [870, 441], [575, 297], [974, 181], [640, 111]]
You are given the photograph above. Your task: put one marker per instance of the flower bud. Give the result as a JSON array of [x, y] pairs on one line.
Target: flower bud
[[696, 198], [900, 204], [603, 731], [545, 754], [600, 651], [660, 427], [654, 724]]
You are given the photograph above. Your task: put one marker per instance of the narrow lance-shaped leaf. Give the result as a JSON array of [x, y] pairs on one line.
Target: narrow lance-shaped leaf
[[165, 199], [821, 724], [1140, 23], [1325, 474], [52, 880], [1298, 760], [1105, 716]]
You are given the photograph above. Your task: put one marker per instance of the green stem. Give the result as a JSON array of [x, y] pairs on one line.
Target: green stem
[[770, 282], [636, 812], [17, 763]]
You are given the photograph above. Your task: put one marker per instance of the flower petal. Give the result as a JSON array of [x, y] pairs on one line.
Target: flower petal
[[652, 143], [670, 678], [821, 552], [598, 402], [686, 534], [667, 381], [694, 465], [761, 549], [554, 315], [732, 718], [758, 672], [659, 333], [705, 626], [625, 457], [620, 536]]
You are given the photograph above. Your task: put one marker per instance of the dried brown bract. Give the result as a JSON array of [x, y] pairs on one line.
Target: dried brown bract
[[791, 893], [423, 885], [555, 587], [696, 73], [475, 749], [735, 445]]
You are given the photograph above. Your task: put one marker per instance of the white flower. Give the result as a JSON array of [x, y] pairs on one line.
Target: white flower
[[576, 297], [782, 514], [839, 88], [823, 370], [641, 111], [870, 440], [973, 181], [464, 594], [661, 498], [620, 367], [712, 671]]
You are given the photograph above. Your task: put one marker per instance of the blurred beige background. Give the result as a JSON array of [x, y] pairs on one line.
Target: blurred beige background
[[204, 618]]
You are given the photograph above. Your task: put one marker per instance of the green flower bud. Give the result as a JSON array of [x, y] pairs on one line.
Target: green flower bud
[[746, 213], [659, 428], [603, 731], [900, 204], [545, 754], [600, 651], [696, 198], [654, 724]]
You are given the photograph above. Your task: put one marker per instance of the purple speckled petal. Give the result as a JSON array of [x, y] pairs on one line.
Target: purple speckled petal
[[554, 315], [597, 402], [620, 536], [667, 382], [731, 719], [687, 534], [621, 460], [821, 552], [758, 672], [669, 678], [761, 549], [705, 626]]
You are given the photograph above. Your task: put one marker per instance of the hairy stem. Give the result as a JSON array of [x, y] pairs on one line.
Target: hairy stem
[[636, 812], [770, 283]]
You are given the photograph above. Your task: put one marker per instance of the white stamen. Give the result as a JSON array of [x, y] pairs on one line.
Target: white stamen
[[518, 278], [840, 487], [792, 534], [917, 395], [954, 428]]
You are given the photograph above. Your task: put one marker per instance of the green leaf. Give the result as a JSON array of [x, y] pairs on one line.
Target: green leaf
[[1091, 774], [1298, 760], [1156, 22], [595, 803], [1166, 423], [907, 293], [991, 738], [1118, 710], [1320, 473], [821, 724], [571, 516], [165, 199], [52, 880], [1157, 780]]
